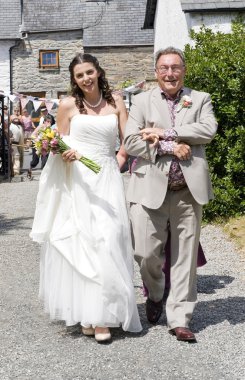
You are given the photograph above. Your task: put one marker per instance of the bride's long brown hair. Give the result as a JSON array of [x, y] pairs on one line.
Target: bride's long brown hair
[[102, 81]]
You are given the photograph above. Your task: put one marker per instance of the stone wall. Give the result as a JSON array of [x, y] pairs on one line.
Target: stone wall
[[28, 77], [120, 63], [125, 63]]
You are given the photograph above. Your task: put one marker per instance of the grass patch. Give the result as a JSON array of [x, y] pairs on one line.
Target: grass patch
[[235, 229]]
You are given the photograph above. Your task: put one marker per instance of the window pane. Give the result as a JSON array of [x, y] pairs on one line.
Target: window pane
[[49, 58]]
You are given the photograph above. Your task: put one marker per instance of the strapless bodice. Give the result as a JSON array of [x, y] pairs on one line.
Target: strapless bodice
[[94, 135]]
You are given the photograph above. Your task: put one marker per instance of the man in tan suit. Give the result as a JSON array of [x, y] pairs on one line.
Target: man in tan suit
[[167, 130]]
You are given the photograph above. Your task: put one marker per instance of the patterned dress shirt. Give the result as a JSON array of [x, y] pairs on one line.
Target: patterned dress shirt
[[176, 180]]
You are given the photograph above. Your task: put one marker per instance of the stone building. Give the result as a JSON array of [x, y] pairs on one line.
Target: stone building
[[173, 19], [119, 41], [46, 35], [50, 36]]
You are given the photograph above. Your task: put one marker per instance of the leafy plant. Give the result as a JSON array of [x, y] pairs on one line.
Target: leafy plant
[[126, 83], [216, 64]]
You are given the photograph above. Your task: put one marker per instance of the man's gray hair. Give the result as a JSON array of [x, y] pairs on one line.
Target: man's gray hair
[[169, 50]]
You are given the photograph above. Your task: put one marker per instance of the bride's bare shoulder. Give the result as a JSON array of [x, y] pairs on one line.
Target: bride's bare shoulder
[[117, 95], [67, 103]]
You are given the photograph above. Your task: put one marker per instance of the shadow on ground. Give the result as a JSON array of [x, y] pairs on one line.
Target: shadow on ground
[[13, 224], [209, 313], [209, 284]]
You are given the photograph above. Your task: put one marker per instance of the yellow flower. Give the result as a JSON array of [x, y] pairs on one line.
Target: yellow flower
[[38, 144], [50, 134]]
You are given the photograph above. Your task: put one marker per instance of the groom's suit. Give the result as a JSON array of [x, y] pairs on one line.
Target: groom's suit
[[153, 205]]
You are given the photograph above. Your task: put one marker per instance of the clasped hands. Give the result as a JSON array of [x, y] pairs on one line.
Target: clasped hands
[[181, 150], [153, 135]]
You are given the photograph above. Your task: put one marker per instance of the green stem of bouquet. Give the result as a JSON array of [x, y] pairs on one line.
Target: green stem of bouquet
[[86, 161]]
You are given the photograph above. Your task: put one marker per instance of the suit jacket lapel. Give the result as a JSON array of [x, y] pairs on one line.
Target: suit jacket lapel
[[181, 114], [162, 107]]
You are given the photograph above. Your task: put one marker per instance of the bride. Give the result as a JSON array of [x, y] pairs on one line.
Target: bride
[[86, 271]]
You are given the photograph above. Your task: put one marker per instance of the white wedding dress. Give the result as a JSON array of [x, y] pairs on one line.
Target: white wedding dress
[[81, 220]]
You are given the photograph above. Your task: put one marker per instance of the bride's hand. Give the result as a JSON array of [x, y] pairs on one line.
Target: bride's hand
[[157, 131], [153, 138], [69, 155]]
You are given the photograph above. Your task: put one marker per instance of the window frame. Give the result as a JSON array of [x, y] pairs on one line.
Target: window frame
[[61, 94], [43, 66]]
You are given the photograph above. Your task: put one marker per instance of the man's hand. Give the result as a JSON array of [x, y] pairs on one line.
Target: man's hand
[[157, 131], [182, 151]]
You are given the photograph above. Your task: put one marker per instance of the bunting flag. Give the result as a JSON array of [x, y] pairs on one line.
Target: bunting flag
[[12, 97], [24, 99], [36, 104], [24, 102], [49, 105]]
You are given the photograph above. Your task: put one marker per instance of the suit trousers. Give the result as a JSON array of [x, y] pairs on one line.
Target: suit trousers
[[149, 235]]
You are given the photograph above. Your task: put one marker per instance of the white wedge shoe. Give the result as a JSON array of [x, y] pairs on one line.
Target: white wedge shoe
[[88, 331], [102, 334]]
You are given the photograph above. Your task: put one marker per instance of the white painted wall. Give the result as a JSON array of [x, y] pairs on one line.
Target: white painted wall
[[172, 25], [4, 64], [220, 22]]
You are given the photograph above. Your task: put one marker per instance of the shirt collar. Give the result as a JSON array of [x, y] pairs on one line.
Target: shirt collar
[[176, 98]]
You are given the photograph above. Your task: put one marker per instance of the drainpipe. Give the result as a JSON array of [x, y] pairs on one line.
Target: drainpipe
[[17, 44]]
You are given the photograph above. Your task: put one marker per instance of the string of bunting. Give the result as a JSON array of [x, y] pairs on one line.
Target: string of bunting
[[37, 102], [24, 99]]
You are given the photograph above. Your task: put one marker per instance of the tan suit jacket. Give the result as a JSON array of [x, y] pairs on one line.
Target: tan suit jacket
[[195, 126]]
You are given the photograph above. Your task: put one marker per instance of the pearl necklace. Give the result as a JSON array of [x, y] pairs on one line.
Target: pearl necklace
[[94, 105]]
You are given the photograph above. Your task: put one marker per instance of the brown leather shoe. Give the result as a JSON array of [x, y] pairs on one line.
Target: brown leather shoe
[[183, 334], [153, 310]]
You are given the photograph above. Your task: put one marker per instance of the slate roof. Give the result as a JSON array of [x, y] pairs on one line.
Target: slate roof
[[10, 19], [211, 5], [116, 22], [194, 6], [53, 15], [105, 22]]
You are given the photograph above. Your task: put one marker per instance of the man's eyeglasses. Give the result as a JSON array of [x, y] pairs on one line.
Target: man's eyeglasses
[[174, 69]]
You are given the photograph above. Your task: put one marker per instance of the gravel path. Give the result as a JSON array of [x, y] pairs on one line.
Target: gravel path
[[32, 347]]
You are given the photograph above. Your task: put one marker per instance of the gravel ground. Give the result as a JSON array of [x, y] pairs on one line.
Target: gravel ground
[[33, 347]]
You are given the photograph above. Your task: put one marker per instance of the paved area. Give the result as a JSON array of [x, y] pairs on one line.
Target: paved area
[[33, 347]]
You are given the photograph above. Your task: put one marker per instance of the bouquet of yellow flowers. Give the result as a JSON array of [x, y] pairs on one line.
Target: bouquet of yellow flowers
[[49, 140]]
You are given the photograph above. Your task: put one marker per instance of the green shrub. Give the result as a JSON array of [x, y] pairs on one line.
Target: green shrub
[[216, 64]]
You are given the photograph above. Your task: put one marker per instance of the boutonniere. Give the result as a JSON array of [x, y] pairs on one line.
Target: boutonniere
[[185, 102]]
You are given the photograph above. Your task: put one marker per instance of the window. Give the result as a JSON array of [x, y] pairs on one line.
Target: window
[[49, 59], [62, 94]]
